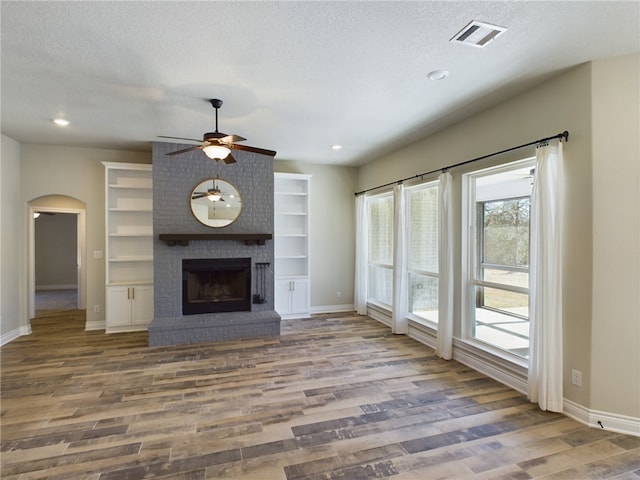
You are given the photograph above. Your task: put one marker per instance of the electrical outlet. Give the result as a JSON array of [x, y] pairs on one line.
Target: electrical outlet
[[576, 378], [96, 309], [338, 294], [97, 254]]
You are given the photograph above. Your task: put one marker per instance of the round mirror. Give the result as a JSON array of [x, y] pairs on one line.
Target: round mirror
[[215, 203]]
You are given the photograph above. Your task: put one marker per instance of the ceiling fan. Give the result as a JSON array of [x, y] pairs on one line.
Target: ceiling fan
[[217, 145], [212, 194]]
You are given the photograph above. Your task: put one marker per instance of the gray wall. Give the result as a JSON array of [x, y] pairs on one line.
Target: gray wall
[[56, 251], [13, 303], [174, 178], [615, 336]]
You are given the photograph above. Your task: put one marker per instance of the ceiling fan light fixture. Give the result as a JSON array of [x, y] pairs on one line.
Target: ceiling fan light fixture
[[214, 197], [61, 122], [216, 152]]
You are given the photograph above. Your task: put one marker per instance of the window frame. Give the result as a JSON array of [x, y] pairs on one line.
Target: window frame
[[470, 260], [431, 274], [370, 263]]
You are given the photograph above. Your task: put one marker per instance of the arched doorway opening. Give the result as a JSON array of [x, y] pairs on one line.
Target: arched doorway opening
[[46, 207]]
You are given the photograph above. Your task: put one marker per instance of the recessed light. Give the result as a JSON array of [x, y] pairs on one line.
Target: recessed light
[[438, 75], [61, 122], [336, 147]]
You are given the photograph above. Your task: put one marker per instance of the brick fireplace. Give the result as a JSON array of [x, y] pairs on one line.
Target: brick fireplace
[[203, 248], [213, 285]]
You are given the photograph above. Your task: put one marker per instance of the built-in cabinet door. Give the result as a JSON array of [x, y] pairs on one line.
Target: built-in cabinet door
[[118, 306], [300, 296], [282, 297], [129, 306], [292, 297], [142, 304]]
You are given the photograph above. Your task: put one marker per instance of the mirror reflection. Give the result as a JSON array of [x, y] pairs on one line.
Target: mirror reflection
[[215, 202]]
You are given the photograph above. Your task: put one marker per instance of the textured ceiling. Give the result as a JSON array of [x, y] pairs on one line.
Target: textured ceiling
[[295, 77]]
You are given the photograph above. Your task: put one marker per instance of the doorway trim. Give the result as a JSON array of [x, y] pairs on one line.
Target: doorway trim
[[81, 254]]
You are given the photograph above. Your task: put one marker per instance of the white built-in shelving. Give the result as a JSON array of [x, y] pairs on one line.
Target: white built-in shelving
[[129, 246], [291, 243]]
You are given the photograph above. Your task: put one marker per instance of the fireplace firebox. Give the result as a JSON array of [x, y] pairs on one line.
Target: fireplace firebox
[[212, 285]]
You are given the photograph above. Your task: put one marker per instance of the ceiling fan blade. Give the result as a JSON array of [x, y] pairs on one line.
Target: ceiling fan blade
[[232, 139], [185, 150], [247, 148], [180, 138], [199, 195], [229, 159]]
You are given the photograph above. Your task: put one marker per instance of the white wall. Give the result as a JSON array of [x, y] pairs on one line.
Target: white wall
[[12, 211], [615, 345], [77, 173], [332, 236], [565, 103]]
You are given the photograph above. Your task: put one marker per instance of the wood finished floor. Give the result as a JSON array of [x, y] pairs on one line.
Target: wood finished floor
[[335, 397]]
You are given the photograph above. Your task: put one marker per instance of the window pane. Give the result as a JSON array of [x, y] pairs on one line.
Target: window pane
[[506, 277], [506, 232], [423, 215], [509, 302], [424, 297], [381, 234], [380, 284], [498, 319]]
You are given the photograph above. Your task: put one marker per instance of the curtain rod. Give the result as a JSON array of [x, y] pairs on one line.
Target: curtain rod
[[562, 135]]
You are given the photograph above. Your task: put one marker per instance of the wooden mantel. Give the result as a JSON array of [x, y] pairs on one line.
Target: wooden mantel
[[183, 239]]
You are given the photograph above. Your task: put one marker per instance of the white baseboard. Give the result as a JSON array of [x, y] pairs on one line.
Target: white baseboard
[[57, 287], [333, 308], [15, 333], [96, 325], [604, 420]]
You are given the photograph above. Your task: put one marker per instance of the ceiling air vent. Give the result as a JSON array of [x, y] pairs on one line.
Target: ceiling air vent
[[478, 34]]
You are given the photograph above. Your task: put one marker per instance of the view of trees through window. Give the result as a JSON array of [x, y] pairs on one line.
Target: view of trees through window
[[500, 283], [506, 232]]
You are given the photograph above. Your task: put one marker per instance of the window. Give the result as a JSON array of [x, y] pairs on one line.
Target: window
[[422, 220], [497, 251], [380, 275]]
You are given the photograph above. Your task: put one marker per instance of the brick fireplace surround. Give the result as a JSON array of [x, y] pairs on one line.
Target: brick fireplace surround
[[174, 178]]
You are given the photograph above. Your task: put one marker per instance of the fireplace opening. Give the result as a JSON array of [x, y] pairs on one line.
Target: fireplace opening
[[212, 285]]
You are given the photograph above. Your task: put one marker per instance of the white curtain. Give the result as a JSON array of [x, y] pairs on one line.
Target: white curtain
[[362, 251], [444, 341], [400, 300], [547, 207]]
